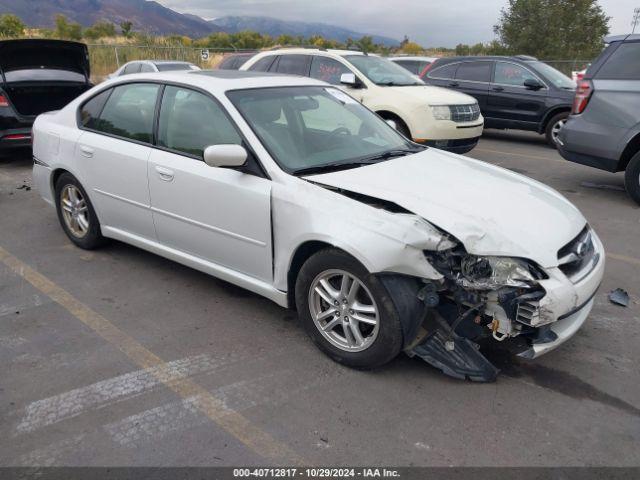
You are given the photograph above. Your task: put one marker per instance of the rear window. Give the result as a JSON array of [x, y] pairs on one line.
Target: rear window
[[623, 64], [168, 67], [293, 65], [43, 75], [263, 64], [474, 71], [447, 71]]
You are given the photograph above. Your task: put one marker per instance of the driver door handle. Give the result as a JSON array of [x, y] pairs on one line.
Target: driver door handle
[[498, 89], [453, 84], [164, 173]]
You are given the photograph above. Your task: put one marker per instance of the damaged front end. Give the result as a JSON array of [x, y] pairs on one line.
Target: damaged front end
[[478, 299]]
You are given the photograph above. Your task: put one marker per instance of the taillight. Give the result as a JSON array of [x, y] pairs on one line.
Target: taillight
[[584, 90], [3, 101]]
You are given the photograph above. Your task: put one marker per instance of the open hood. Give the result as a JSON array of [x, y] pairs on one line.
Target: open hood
[[44, 54], [492, 211]]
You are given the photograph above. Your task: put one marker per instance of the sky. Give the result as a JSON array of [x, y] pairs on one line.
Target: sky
[[442, 23]]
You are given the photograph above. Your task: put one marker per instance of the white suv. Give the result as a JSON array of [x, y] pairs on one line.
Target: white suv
[[431, 115]]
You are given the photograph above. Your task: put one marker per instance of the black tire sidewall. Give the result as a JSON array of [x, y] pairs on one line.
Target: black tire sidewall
[[632, 178], [555, 119], [388, 342], [93, 238]]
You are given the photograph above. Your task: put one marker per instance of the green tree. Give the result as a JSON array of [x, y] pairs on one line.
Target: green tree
[[411, 48], [11, 26], [553, 29], [67, 30], [125, 28], [100, 30]]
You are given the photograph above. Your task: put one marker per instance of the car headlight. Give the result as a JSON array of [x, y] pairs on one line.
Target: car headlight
[[441, 112], [496, 272]]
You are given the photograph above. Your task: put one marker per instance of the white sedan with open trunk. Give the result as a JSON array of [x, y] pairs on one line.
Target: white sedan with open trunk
[[290, 188]]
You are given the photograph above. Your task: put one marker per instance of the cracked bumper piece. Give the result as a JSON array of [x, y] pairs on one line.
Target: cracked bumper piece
[[564, 329]]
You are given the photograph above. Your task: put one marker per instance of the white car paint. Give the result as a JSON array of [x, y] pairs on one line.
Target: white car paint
[[411, 104], [151, 64], [157, 201]]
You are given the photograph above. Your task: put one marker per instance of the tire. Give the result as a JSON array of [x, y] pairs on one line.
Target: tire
[[552, 128], [381, 342], [85, 231], [632, 178]]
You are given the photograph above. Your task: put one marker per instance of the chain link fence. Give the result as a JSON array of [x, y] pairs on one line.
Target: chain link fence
[[106, 59]]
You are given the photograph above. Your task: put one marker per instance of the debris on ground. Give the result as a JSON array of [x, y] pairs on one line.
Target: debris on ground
[[603, 186], [619, 297], [24, 186]]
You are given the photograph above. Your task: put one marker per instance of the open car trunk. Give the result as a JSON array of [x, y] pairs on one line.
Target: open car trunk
[[43, 75]]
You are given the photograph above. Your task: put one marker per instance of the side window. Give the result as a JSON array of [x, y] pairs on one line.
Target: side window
[[327, 69], [129, 112], [623, 64], [412, 65], [131, 68], [511, 74], [191, 121], [447, 72], [293, 65], [90, 111], [263, 64], [474, 71], [146, 68]]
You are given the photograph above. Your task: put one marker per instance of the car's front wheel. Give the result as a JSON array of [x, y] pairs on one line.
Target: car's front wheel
[[76, 214], [347, 311], [632, 178]]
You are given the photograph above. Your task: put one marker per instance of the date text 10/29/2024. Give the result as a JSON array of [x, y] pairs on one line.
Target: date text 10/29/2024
[[319, 472]]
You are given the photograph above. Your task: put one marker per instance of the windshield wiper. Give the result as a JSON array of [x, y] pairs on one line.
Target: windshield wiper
[[331, 167], [400, 152]]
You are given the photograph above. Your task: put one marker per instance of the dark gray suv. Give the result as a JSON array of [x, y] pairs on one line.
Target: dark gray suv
[[603, 130]]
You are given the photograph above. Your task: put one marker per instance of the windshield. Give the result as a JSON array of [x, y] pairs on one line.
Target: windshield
[[382, 71], [311, 128], [559, 79]]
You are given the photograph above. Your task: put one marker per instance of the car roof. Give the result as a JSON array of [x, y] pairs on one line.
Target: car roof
[[621, 38], [222, 80], [310, 51], [516, 58], [415, 57]]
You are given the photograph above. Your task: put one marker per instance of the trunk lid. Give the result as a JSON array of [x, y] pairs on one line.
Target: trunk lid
[[37, 54]]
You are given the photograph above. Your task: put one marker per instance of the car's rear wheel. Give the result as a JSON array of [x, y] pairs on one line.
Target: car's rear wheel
[[76, 214], [632, 178], [554, 127], [347, 311]]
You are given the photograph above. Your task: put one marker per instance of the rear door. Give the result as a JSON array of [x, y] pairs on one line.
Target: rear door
[[217, 214], [473, 78], [509, 102], [113, 150], [293, 65]]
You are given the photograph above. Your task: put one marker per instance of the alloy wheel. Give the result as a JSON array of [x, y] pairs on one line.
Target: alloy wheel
[[555, 131], [343, 310], [74, 210]]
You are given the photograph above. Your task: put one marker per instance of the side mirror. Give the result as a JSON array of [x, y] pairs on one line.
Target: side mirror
[[392, 124], [350, 80], [225, 156], [532, 84]]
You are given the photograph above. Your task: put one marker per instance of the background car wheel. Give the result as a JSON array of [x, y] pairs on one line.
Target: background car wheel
[[553, 128], [347, 311], [632, 178], [76, 214]]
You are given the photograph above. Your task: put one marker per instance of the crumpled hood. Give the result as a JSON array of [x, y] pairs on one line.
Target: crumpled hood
[[491, 210], [434, 95]]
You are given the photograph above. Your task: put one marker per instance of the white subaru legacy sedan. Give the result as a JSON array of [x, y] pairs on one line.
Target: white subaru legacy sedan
[[290, 188]]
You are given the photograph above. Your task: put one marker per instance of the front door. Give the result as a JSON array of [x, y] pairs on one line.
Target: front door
[[217, 214]]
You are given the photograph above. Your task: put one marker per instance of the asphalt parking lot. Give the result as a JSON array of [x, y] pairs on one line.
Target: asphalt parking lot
[[120, 357]]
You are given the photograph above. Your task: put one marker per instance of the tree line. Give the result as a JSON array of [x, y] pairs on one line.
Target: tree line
[[549, 29]]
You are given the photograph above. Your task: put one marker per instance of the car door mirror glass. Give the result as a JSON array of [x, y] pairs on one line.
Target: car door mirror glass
[[532, 84], [225, 156], [349, 79]]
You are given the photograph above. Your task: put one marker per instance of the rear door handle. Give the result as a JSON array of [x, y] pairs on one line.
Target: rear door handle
[[86, 151], [164, 173], [497, 89], [453, 84]]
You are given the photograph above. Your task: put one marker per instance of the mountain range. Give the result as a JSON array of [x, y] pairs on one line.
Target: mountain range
[[151, 17]]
